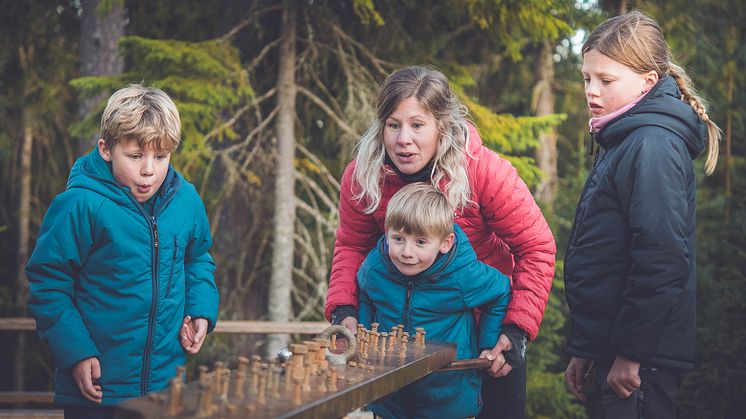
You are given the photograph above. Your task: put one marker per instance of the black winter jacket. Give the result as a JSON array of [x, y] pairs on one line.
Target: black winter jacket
[[630, 275]]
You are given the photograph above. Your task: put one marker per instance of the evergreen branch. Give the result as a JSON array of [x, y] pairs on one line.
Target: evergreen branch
[[336, 118]]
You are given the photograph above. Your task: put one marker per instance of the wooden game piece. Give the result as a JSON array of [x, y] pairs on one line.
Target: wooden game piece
[[288, 374], [374, 327], [181, 372], [238, 382], [204, 403], [175, 389], [217, 369], [202, 371], [322, 381], [332, 379], [225, 381], [392, 335], [384, 335], [323, 345], [275, 370], [261, 397], [307, 378], [297, 384], [312, 357], [333, 344], [255, 362], [422, 339]]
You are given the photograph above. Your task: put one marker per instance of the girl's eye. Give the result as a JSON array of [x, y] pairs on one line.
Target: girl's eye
[[421, 242], [160, 157], [417, 125], [587, 80], [397, 239], [135, 157], [606, 81], [393, 125]]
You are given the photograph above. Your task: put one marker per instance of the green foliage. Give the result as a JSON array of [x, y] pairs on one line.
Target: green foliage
[[206, 81], [366, 11], [511, 136]]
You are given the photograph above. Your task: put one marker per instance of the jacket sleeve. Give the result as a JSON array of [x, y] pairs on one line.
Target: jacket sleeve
[[510, 210], [366, 310], [201, 292], [356, 235], [652, 182], [64, 241], [489, 290]]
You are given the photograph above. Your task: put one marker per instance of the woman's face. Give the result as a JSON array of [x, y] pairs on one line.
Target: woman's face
[[609, 84], [410, 136]]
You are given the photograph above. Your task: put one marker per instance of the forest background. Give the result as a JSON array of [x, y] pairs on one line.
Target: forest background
[[273, 96]]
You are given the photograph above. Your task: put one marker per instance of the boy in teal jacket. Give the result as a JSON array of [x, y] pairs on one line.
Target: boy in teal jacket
[[121, 281], [424, 273]]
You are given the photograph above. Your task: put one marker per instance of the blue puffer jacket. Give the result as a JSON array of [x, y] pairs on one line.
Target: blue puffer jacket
[[109, 280], [440, 299]]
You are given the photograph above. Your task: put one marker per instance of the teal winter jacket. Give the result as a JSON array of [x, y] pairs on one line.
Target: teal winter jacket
[[441, 300], [113, 279]]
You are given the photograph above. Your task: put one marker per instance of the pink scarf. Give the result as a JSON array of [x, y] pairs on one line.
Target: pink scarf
[[595, 124]]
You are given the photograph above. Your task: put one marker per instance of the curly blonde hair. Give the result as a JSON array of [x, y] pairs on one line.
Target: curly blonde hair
[[430, 87]]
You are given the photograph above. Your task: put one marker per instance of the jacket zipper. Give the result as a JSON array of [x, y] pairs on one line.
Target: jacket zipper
[[153, 309], [410, 286], [173, 263]]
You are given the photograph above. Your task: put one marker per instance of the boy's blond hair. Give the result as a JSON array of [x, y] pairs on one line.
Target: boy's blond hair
[[145, 114], [420, 209]]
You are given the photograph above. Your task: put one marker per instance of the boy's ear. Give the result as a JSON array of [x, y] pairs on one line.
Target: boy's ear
[[447, 244], [103, 150]]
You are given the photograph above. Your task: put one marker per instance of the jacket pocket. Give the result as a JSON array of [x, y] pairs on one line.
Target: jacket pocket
[[173, 264]]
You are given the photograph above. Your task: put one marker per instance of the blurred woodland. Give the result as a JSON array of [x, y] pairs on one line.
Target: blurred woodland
[[273, 96]]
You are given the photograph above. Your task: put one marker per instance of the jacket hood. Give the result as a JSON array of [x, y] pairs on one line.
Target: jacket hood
[[444, 264], [661, 107], [94, 173]]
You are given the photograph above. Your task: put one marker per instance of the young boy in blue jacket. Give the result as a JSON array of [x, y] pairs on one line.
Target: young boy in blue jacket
[[121, 281], [424, 273]]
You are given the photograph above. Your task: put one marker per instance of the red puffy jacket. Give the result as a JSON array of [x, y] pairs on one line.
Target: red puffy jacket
[[505, 227]]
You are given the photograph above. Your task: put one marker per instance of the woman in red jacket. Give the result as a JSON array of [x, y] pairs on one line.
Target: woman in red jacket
[[421, 134]]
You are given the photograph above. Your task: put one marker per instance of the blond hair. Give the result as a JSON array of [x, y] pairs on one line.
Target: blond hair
[[635, 40], [420, 209], [145, 114], [430, 88]]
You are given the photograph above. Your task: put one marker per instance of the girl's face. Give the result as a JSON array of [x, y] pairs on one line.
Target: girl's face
[[609, 84], [410, 136]]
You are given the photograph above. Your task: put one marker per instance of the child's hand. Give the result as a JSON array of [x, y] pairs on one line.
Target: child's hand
[[192, 334], [579, 376], [85, 374]]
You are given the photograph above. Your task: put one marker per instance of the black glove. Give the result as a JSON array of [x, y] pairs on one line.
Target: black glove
[[516, 356], [342, 312]]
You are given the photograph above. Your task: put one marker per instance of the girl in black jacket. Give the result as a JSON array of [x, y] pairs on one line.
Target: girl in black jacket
[[629, 269]]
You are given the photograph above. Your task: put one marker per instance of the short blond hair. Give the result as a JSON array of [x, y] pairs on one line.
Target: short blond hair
[[145, 114], [420, 209]]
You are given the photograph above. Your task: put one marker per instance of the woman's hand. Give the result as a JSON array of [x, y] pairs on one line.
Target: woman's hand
[[579, 375], [499, 367]]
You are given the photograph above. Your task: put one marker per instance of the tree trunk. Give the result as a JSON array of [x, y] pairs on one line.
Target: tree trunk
[[279, 301], [99, 33], [546, 152], [24, 217]]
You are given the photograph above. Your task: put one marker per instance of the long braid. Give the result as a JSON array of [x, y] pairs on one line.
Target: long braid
[[689, 95]]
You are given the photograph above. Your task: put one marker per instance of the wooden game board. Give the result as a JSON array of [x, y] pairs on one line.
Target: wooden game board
[[329, 392]]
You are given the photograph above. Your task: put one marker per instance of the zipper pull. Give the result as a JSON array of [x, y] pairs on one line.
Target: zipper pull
[[155, 233]]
